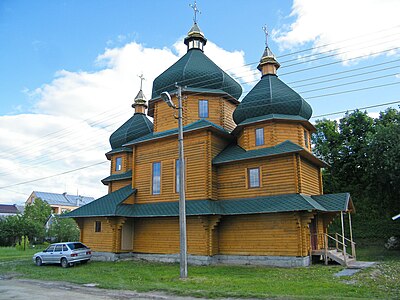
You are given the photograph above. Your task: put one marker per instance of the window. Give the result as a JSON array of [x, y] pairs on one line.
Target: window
[[259, 136], [156, 178], [58, 248], [254, 177], [118, 164], [177, 176], [50, 249], [306, 139], [65, 248], [97, 226], [203, 108]]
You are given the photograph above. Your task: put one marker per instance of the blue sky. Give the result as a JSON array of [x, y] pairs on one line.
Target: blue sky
[[68, 70]]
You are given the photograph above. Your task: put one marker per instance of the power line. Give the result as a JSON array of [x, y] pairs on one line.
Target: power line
[[51, 176], [344, 111]]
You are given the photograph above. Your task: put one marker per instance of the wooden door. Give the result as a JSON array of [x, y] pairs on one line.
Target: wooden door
[[313, 234]]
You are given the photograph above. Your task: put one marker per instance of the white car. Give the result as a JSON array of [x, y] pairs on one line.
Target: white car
[[65, 254]]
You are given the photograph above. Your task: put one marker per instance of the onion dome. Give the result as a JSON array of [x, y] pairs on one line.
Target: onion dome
[[196, 70], [137, 126], [271, 97]]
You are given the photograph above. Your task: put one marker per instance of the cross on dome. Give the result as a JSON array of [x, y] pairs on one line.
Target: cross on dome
[[195, 10], [265, 29], [141, 80]]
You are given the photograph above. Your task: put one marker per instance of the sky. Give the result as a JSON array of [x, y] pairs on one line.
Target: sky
[[69, 71]]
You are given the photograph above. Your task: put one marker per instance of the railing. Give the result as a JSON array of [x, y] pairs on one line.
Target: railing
[[340, 245]]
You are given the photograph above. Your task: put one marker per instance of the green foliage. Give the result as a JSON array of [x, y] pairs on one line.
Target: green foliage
[[63, 230], [364, 158], [314, 282], [23, 243], [30, 224]]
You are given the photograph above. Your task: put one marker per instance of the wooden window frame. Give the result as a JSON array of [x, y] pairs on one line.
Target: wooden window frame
[[116, 163], [255, 133], [248, 178], [152, 178], [208, 110], [97, 226], [306, 139]]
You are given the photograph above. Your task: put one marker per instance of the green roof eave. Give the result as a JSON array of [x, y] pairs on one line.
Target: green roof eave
[[115, 177], [256, 205], [270, 117], [236, 153], [335, 202], [197, 125], [117, 150], [105, 206]]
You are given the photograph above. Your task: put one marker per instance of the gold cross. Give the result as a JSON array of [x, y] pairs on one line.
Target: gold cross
[[265, 29], [141, 80]]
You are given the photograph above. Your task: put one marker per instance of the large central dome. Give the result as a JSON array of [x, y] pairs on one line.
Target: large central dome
[[195, 70]]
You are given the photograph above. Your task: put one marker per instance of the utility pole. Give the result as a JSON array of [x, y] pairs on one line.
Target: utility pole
[[182, 204]]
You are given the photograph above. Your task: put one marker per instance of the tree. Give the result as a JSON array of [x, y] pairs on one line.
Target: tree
[[64, 230], [364, 158]]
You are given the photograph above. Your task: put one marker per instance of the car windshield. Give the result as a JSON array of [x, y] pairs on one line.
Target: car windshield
[[75, 246]]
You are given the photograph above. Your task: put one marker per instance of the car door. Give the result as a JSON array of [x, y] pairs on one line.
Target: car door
[[47, 255], [57, 253]]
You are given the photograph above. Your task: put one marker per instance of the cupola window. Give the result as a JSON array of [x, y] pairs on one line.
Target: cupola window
[[259, 136], [254, 177], [306, 143], [203, 108], [156, 180], [118, 164]]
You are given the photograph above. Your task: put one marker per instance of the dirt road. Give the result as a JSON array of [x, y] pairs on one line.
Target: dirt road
[[22, 289]]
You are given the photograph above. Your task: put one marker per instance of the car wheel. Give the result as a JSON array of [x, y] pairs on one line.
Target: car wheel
[[64, 263], [38, 261]]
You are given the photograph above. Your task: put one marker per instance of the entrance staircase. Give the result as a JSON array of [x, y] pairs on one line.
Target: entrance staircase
[[335, 249]]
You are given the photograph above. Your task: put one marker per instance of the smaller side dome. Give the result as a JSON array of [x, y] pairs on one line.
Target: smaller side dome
[[137, 126], [271, 96]]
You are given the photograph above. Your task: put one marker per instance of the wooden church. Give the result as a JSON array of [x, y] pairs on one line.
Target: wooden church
[[254, 190]]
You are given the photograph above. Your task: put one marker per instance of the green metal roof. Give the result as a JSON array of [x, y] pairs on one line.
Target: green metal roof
[[199, 124], [115, 177], [235, 153], [271, 117], [111, 205], [195, 70], [137, 126], [117, 150], [334, 202], [271, 96], [104, 206]]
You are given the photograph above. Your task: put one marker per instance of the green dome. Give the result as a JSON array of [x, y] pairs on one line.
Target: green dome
[[137, 126], [195, 70], [272, 96]]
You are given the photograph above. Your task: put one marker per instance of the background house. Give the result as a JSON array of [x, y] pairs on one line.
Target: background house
[[60, 203], [8, 210]]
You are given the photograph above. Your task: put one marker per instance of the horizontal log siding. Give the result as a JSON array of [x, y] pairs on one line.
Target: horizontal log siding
[[263, 234], [227, 109], [219, 112], [217, 144], [275, 132], [161, 236], [278, 177], [310, 178], [166, 152], [116, 185], [98, 241]]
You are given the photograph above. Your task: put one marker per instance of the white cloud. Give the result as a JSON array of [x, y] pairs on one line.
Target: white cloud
[[74, 115], [357, 27]]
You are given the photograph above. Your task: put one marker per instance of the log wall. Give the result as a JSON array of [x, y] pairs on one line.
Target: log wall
[[277, 177]]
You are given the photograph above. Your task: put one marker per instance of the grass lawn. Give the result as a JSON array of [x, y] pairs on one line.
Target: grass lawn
[[315, 282]]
